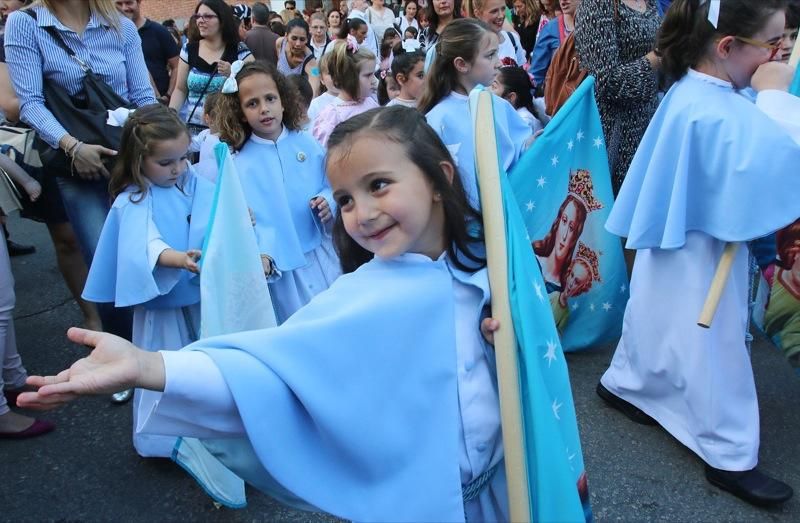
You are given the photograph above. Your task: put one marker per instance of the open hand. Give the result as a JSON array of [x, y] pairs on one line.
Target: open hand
[[112, 366]]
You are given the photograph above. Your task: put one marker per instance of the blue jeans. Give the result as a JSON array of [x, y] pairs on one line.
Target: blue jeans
[[87, 203]]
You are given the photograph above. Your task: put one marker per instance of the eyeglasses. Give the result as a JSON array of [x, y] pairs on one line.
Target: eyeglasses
[[204, 18], [773, 48]]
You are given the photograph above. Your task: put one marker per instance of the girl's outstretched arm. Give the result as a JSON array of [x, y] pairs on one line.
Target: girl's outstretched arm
[[180, 260], [113, 365]]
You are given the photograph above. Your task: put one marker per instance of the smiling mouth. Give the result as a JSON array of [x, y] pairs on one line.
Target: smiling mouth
[[381, 234]]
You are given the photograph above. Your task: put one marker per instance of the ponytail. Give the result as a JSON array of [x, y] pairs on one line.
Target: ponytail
[[343, 66], [461, 38], [686, 34]]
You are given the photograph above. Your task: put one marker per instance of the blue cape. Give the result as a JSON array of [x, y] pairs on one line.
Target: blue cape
[[121, 271], [712, 162], [351, 405]]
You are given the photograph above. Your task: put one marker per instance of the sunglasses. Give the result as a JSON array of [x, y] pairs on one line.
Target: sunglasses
[[204, 18], [774, 49]]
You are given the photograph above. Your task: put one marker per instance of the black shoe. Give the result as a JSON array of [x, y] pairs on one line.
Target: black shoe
[[632, 412], [15, 249], [752, 486]]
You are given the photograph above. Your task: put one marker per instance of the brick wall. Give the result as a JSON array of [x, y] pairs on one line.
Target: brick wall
[[181, 10]]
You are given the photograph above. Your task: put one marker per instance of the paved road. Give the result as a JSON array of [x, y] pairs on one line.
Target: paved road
[[87, 469]]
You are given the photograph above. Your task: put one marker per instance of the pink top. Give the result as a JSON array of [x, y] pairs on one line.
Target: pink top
[[336, 113]]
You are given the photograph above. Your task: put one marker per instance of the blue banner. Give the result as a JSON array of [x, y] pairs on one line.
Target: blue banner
[[562, 185]]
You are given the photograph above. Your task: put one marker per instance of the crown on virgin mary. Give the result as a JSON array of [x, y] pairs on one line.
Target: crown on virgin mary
[[591, 258], [582, 188]]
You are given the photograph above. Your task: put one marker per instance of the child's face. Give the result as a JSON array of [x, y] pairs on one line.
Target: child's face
[[484, 66], [366, 78], [493, 13], [168, 161], [411, 87], [388, 205], [789, 38], [579, 279], [261, 105], [744, 58]]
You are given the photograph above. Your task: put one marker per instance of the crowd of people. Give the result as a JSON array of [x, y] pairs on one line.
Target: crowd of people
[[348, 125]]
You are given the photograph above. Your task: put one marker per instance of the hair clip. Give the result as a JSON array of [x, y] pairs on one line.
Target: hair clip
[[352, 43], [383, 73], [231, 86], [508, 62], [411, 44]]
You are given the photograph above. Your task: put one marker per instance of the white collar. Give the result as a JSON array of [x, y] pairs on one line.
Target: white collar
[[258, 139]]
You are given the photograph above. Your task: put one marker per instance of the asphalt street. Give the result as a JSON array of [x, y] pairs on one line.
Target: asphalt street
[[87, 469]]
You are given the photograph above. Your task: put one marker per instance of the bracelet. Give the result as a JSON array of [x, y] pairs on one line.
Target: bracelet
[[75, 148]]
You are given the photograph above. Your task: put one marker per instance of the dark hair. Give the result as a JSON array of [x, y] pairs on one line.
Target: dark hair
[[328, 15], [277, 27], [343, 66], [461, 38], [384, 77], [229, 118], [386, 44], [545, 246], [792, 14], [169, 22], [685, 33], [411, 29], [260, 13], [402, 63], [144, 128], [433, 17], [298, 22], [516, 80], [424, 148], [303, 87], [350, 24], [227, 21]]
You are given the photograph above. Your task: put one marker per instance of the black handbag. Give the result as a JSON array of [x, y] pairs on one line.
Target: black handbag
[[83, 116]]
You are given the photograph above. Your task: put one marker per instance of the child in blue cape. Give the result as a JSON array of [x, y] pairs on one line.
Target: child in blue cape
[[696, 183], [283, 177], [465, 57], [148, 250], [378, 400]]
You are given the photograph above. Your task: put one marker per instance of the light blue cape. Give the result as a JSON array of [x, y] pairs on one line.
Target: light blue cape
[[351, 405], [712, 162]]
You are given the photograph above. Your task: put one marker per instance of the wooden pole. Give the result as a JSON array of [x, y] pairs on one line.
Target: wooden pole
[[718, 285], [505, 344]]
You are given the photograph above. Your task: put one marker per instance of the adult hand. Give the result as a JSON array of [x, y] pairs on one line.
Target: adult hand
[[772, 75], [224, 68], [113, 365], [88, 161]]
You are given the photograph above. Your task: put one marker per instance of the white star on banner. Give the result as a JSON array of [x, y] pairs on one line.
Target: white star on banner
[[598, 142], [574, 306], [606, 306], [538, 289], [530, 205], [570, 145], [556, 407], [623, 288], [554, 160], [580, 135], [591, 307], [541, 181], [550, 356]]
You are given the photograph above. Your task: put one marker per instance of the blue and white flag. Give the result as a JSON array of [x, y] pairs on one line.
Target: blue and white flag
[[557, 480], [563, 187], [234, 297]]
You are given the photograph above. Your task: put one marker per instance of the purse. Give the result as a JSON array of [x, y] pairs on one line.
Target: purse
[[83, 116]]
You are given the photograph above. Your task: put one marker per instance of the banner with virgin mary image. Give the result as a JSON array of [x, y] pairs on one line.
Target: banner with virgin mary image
[[563, 187]]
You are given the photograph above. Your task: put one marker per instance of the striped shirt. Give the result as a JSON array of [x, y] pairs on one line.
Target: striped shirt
[[32, 54]]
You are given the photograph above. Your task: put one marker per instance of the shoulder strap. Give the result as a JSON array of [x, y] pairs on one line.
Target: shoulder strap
[[510, 36], [305, 63], [55, 35]]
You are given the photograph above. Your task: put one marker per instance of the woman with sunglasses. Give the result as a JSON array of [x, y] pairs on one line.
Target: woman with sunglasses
[[206, 60]]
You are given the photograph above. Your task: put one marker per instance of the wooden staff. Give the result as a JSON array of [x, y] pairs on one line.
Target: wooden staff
[[505, 344], [728, 255], [718, 285]]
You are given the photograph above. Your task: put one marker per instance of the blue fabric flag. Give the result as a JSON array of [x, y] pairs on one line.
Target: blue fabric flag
[[234, 298], [563, 188], [554, 460], [795, 87]]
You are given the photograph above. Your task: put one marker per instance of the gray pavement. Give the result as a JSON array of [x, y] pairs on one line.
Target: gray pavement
[[87, 469]]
